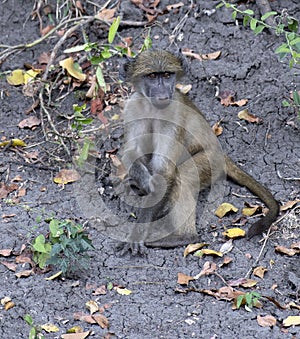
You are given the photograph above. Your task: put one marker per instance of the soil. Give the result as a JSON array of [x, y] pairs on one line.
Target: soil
[[158, 307]]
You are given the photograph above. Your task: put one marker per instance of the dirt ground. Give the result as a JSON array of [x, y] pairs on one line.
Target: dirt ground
[[269, 151]]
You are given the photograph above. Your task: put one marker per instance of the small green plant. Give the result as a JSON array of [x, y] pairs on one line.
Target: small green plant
[[295, 103], [283, 24], [65, 247], [249, 300], [35, 330]]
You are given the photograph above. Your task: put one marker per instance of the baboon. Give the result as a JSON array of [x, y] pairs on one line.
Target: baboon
[[171, 154]]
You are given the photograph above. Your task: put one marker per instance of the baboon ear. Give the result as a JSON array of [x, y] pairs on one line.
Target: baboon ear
[[183, 60], [124, 67]]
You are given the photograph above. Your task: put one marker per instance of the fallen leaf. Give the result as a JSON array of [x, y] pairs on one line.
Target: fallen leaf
[[5, 300], [101, 320], [227, 97], [224, 209], [293, 320], [9, 265], [121, 170], [30, 122], [16, 77], [30, 75], [235, 232], [208, 268], [266, 321], [75, 329], [226, 247], [296, 245], [107, 14], [100, 290], [123, 291], [66, 176], [73, 69], [50, 328], [84, 317], [9, 305], [245, 115], [13, 143], [82, 335], [192, 248], [249, 283], [250, 210], [24, 274], [184, 89], [92, 306], [22, 192], [226, 261], [183, 279], [217, 128], [289, 204], [5, 252], [209, 56], [260, 271], [284, 250], [97, 110], [208, 251]]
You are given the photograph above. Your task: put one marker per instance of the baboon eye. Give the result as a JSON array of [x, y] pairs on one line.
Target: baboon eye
[[166, 75], [152, 76]]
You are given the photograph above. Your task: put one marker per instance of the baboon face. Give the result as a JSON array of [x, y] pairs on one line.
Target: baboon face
[[159, 88]]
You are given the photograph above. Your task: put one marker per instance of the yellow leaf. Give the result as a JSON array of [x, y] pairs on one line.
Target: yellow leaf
[[50, 328], [115, 117], [75, 329], [75, 72], [225, 208], [207, 251], [234, 232], [13, 142], [9, 305], [54, 276], [123, 291], [31, 74], [245, 115], [16, 78], [92, 306], [66, 176], [249, 211], [292, 320], [192, 248]]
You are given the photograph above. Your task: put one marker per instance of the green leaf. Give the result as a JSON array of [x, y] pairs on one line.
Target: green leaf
[[248, 297], [282, 49], [76, 49], [248, 11], [113, 30], [259, 29], [239, 301], [219, 5], [285, 103], [100, 78], [233, 15], [39, 244], [296, 98], [246, 20], [54, 228], [28, 319], [32, 333], [84, 152], [295, 41], [293, 25], [253, 24], [267, 15]]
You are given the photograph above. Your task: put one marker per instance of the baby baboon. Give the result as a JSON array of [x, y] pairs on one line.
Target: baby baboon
[[171, 154]]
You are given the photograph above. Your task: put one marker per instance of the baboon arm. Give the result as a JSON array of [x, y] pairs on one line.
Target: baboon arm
[[244, 179]]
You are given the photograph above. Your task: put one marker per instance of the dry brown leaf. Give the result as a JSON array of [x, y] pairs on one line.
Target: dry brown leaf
[[101, 320], [92, 306], [11, 266], [50, 328], [24, 274], [224, 209], [289, 204], [293, 320], [66, 176], [100, 290], [5, 252], [121, 170], [260, 271], [208, 268], [30, 122], [82, 335], [184, 279], [226, 261], [245, 115], [192, 248], [266, 321], [44, 58], [46, 30], [84, 317], [235, 232], [249, 283], [209, 56], [217, 128], [284, 250], [21, 192], [107, 14]]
